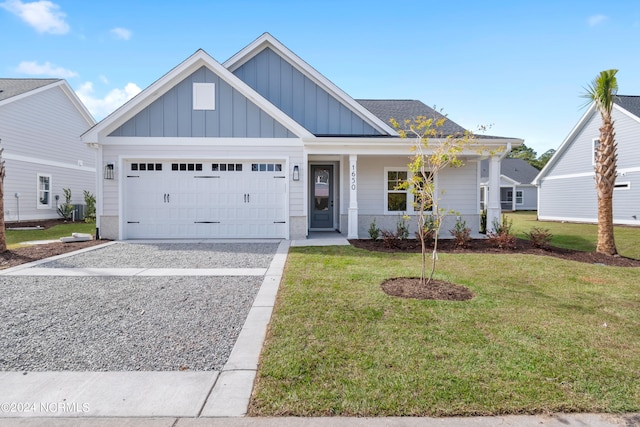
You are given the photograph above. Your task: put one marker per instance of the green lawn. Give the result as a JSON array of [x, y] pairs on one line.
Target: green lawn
[[16, 237], [582, 237], [542, 334]]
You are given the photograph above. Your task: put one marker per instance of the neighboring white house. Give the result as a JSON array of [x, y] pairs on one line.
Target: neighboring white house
[[41, 121], [263, 146], [517, 193], [566, 185]]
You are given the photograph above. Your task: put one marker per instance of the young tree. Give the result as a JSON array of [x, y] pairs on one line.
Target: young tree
[[3, 235], [427, 161], [602, 91]]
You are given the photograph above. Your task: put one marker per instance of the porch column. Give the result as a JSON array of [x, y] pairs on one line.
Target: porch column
[[513, 198], [493, 202], [352, 233]]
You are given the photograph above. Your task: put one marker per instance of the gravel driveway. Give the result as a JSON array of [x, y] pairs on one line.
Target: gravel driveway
[[56, 323]]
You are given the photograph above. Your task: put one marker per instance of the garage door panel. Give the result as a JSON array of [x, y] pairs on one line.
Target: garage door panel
[[175, 202]]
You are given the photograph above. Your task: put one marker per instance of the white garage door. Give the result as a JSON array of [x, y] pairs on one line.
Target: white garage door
[[197, 199]]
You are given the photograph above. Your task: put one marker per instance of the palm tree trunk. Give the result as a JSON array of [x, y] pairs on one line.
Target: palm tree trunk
[[605, 171]]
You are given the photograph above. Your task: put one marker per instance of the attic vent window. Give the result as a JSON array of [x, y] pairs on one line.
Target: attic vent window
[[204, 96]]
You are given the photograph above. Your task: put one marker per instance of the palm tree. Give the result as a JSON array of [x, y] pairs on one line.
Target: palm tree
[[3, 236], [602, 91]]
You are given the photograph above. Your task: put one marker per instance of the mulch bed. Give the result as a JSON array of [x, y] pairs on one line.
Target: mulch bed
[[410, 287]]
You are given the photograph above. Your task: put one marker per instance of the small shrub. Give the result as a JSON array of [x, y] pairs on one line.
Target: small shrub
[[65, 210], [90, 210], [374, 231], [540, 237], [501, 236], [390, 238], [461, 233], [402, 229], [483, 222]]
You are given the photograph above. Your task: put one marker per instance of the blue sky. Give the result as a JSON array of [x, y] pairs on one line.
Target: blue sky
[[519, 66]]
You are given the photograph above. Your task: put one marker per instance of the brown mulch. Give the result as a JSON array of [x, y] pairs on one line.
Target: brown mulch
[[484, 246], [410, 287], [25, 254]]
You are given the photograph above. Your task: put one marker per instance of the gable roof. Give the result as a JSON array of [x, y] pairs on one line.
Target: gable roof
[[627, 104], [266, 40], [176, 75], [517, 170], [12, 90], [630, 103], [14, 87]]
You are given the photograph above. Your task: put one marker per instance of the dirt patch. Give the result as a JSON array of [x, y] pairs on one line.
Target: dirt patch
[[25, 254], [484, 246], [410, 287], [18, 256]]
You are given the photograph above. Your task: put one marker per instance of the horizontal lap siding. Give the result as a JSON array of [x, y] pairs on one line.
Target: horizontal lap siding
[[460, 185], [568, 198], [22, 177], [47, 126], [529, 198], [110, 154]]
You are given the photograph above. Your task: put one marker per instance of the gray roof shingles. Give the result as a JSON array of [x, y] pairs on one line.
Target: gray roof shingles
[[516, 169], [13, 87], [629, 103]]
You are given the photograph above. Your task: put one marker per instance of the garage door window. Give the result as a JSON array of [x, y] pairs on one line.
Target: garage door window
[[146, 166], [226, 167], [266, 167], [186, 167]]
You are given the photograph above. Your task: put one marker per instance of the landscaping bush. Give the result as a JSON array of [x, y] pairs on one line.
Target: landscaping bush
[[539, 237], [461, 233], [374, 231], [501, 236]]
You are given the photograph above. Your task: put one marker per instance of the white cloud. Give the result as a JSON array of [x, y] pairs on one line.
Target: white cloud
[[595, 20], [102, 107], [42, 15], [121, 33], [32, 68]]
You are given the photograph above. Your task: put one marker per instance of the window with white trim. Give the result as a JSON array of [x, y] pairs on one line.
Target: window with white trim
[[396, 199], [519, 197], [44, 191], [594, 152]]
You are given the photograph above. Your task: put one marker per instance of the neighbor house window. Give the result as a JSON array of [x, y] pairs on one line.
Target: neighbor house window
[[519, 197], [397, 200], [44, 191], [594, 153]]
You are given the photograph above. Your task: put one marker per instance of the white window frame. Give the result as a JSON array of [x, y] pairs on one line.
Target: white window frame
[[519, 195], [594, 150], [39, 204], [386, 191], [410, 198]]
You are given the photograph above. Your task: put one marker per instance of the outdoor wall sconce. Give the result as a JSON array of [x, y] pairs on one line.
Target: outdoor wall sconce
[[108, 171], [296, 173]]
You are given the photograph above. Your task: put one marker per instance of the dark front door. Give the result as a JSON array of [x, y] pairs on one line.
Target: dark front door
[[322, 196]]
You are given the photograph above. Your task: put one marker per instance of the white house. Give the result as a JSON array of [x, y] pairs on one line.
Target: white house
[[41, 121], [517, 193], [263, 146], [566, 186]]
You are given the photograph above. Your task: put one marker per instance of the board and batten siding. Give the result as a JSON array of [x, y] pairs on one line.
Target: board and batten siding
[[299, 97], [567, 191], [172, 115]]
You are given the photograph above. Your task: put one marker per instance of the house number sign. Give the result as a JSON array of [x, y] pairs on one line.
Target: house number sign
[[353, 177]]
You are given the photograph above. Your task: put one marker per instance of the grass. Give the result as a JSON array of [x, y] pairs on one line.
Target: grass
[[582, 237], [15, 238], [542, 334]]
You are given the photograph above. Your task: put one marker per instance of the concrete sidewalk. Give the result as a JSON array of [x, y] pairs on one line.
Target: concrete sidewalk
[[552, 420]]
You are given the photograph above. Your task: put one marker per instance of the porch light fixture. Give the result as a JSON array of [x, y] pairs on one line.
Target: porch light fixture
[[296, 173], [108, 171]]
